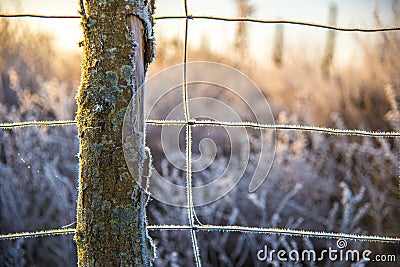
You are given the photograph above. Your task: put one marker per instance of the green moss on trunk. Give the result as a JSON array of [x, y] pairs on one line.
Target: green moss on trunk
[[111, 222]]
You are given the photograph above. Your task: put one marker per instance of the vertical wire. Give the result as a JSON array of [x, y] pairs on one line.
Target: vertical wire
[[190, 208], [185, 89], [189, 193]]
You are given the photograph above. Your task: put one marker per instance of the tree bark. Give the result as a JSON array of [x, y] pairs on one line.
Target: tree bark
[[111, 221]]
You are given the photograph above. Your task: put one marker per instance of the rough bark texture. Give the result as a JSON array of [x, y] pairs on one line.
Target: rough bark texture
[[111, 221]]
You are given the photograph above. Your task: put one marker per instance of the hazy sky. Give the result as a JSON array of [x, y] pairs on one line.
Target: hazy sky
[[221, 34]]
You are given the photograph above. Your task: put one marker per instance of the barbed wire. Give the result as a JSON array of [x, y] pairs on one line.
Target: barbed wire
[[52, 232], [229, 19], [279, 231]]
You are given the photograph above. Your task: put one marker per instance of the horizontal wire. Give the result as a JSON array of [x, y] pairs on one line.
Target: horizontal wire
[[324, 130], [66, 231], [39, 16], [237, 19], [258, 230], [12, 125], [276, 127], [281, 21]]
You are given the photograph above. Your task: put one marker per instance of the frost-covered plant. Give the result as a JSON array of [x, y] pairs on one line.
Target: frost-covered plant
[[38, 167], [317, 182], [306, 189]]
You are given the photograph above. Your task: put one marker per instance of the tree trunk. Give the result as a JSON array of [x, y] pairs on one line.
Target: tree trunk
[[111, 221]]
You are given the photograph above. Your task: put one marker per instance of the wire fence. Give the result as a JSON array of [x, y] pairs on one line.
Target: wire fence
[[11, 236], [220, 228], [228, 19], [194, 225], [193, 122], [14, 125]]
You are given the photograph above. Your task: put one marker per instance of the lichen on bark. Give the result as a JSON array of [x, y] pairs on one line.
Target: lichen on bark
[[111, 206]]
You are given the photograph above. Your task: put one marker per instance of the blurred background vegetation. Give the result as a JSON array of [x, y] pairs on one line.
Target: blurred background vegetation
[[317, 182]]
